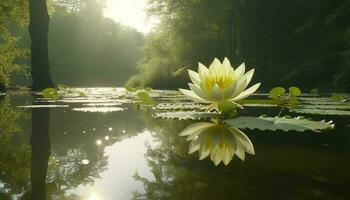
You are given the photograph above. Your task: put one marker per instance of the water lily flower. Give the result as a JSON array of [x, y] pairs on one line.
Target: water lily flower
[[219, 141], [220, 83]]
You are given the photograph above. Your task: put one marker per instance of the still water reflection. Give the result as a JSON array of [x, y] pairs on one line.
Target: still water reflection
[[57, 152]]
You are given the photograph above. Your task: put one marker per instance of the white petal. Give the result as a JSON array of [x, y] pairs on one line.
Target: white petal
[[228, 155], [199, 92], [230, 90], [203, 152], [243, 83], [194, 77], [240, 153], [227, 66], [240, 71], [190, 94], [216, 156], [216, 93], [191, 129], [243, 141], [216, 64], [226, 63], [248, 76], [193, 148], [202, 71], [247, 92]]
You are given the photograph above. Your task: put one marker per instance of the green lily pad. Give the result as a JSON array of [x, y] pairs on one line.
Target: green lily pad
[[179, 106], [50, 93], [189, 115], [294, 91], [323, 111], [276, 92], [279, 123]]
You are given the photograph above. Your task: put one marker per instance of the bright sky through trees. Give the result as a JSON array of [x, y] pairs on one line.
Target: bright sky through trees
[[130, 13]]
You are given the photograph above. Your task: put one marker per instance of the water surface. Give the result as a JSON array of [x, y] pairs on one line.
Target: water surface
[[105, 145]]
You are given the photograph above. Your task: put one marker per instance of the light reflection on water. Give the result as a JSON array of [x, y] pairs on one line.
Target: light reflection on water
[[96, 155], [124, 159]]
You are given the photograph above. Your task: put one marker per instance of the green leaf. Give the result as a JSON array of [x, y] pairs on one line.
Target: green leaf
[[276, 92], [145, 98], [259, 102], [279, 123], [294, 91], [50, 93], [322, 111], [130, 89], [179, 106], [189, 115], [143, 95]]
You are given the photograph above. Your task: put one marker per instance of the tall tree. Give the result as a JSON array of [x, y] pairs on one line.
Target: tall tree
[[39, 28]]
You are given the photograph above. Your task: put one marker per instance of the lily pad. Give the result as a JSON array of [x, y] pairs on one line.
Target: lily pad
[[179, 106], [279, 123], [99, 109], [294, 91], [323, 111], [276, 92], [189, 115], [50, 93]]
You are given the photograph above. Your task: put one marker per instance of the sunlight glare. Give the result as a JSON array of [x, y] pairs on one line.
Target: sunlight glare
[[130, 13], [94, 196]]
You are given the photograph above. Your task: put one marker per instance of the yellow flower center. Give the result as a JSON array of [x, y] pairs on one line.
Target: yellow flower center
[[222, 80]]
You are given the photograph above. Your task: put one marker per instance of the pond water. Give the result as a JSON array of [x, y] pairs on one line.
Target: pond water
[[106, 144]]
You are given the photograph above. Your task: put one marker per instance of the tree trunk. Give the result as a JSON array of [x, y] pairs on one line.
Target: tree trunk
[[38, 29], [40, 144], [2, 87]]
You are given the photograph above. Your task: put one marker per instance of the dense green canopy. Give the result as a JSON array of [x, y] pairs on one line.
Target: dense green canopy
[[298, 42]]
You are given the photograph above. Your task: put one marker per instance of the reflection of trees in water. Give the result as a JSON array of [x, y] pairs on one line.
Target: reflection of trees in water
[[14, 154], [65, 171]]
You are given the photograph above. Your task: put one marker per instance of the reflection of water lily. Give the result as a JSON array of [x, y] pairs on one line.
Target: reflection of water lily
[[219, 141], [219, 83]]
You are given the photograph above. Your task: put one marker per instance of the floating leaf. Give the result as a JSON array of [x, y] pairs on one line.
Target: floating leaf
[[340, 98], [143, 95], [279, 123], [99, 109], [322, 112], [189, 115], [259, 102], [130, 89], [326, 106], [50, 93], [294, 91], [179, 106], [44, 106], [276, 92]]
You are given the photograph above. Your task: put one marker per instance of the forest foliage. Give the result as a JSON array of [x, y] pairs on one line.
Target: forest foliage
[[85, 48], [304, 43]]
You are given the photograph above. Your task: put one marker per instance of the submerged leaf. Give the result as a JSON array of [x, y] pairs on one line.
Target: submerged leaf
[[279, 123]]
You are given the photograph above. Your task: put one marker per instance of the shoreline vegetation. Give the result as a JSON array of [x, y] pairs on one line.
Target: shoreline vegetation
[[295, 43]]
